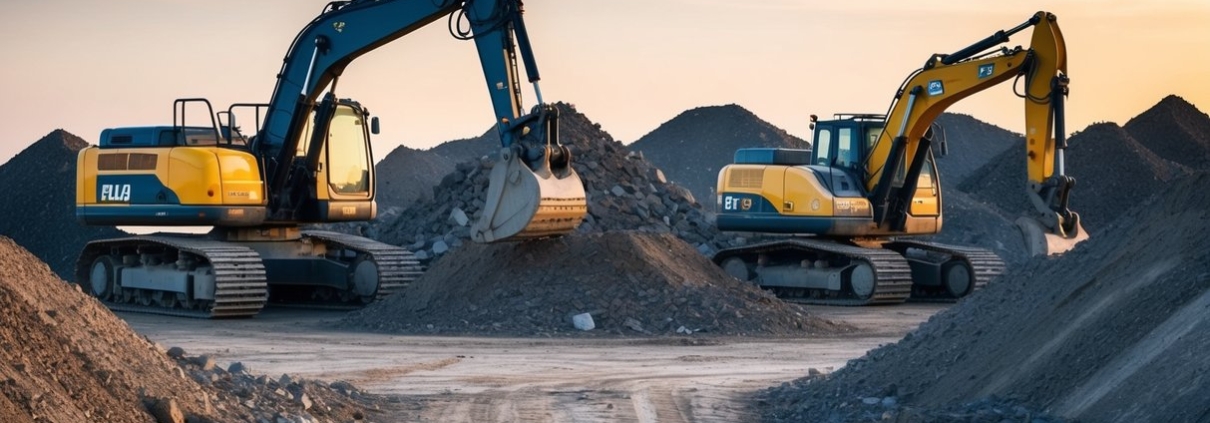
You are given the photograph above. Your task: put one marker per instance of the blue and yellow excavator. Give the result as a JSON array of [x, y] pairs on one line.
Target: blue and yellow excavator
[[309, 161], [870, 181]]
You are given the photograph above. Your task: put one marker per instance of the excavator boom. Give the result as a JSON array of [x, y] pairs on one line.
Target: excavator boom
[[544, 195], [947, 79]]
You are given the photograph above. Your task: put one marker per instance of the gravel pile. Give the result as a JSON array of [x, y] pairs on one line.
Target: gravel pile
[[407, 175], [625, 192], [694, 145], [1112, 170], [1113, 331], [39, 208], [461, 150], [973, 222], [630, 283], [972, 144], [1174, 130], [65, 358]]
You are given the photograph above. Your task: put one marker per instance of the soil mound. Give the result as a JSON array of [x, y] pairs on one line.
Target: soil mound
[[971, 143], [65, 358], [694, 145], [625, 192], [1112, 170], [39, 208], [407, 175], [1175, 130], [970, 221], [1113, 331], [465, 149], [631, 283]]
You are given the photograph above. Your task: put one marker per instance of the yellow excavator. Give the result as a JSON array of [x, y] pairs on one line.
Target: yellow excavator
[[870, 181], [309, 161]]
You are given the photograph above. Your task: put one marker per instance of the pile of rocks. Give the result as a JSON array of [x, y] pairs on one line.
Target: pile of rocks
[[971, 144], [39, 207], [694, 145], [628, 283], [278, 399], [407, 175], [1176, 131], [1088, 336], [625, 192], [64, 357], [1111, 168]]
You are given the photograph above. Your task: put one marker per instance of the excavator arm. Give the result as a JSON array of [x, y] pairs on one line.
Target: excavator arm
[[346, 30], [895, 162]]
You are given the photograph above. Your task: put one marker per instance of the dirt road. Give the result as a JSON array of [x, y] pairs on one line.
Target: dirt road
[[465, 379]]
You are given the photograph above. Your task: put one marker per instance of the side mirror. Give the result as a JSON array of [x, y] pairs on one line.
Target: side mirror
[[374, 125]]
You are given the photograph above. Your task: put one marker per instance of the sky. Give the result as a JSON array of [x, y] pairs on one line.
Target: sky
[[630, 65]]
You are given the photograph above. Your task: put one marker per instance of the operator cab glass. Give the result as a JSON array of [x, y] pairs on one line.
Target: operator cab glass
[[844, 143], [348, 153]]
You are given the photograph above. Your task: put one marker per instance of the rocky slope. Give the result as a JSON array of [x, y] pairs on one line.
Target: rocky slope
[[407, 175], [65, 358], [631, 283], [39, 209], [693, 146], [1113, 331]]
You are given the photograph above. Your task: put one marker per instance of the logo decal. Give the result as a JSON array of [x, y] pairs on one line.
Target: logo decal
[[338, 26], [935, 88], [987, 70], [115, 193], [737, 203]]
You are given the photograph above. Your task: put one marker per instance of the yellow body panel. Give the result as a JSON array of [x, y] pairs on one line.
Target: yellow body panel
[[86, 179], [197, 175], [804, 195], [194, 175], [796, 192], [240, 177]]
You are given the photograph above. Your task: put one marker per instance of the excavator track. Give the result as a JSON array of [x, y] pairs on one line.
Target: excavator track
[[893, 280], [240, 288], [985, 265], [397, 267]]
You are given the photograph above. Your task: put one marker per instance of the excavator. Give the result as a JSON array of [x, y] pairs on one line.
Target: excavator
[[845, 209], [309, 161]]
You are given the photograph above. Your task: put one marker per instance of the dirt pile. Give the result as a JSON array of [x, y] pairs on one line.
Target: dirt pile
[[1175, 130], [625, 192], [407, 175], [465, 149], [631, 283], [970, 221], [972, 144], [39, 208], [1113, 331], [65, 358], [1112, 170], [694, 145]]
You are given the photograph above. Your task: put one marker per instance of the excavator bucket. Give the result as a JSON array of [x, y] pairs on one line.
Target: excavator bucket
[[523, 203], [1041, 241]]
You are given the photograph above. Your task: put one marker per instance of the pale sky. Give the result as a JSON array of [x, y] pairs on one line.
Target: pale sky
[[627, 64]]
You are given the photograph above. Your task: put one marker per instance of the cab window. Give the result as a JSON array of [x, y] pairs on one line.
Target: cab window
[[823, 147], [847, 153], [348, 153]]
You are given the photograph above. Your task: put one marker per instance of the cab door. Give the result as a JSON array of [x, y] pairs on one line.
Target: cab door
[[927, 199]]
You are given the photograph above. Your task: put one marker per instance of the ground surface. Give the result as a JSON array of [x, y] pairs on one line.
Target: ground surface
[[482, 379]]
